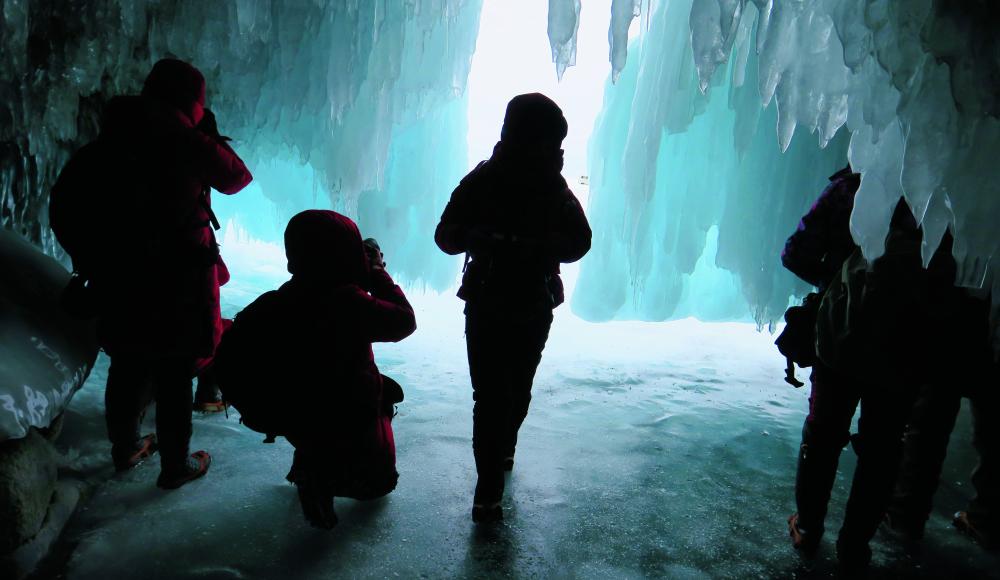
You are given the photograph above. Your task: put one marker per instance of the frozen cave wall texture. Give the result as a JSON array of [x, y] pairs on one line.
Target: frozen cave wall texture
[[908, 89], [722, 120], [362, 101]]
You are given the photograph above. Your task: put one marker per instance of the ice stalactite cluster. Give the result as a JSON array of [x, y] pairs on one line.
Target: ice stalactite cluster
[[911, 86], [333, 95], [622, 14], [691, 197], [564, 21], [917, 85]]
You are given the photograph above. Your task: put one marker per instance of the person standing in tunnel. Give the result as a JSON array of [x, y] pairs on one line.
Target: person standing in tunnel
[[516, 220], [152, 260], [815, 253]]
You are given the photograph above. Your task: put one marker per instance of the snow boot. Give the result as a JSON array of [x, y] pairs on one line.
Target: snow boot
[[194, 467], [317, 501], [805, 541], [144, 448], [487, 513], [964, 524], [208, 398], [905, 530], [853, 557]]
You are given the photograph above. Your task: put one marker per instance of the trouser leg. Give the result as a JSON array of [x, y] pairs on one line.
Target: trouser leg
[[526, 353], [172, 385], [491, 410], [825, 433], [925, 444], [880, 430], [984, 509], [207, 390], [126, 398]]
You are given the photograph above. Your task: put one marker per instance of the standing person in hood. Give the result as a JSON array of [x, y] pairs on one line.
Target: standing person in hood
[[516, 220], [815, 253], [151, 259], [304, 353]]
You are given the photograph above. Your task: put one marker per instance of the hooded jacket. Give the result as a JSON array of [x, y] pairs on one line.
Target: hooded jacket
[[160, 257], [323, 321], [517, 220]]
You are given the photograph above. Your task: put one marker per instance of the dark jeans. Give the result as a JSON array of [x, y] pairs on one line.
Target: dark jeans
[[504, 350], [827, 430], [925, 447], [884, 412], [133, 384], [832, 403]]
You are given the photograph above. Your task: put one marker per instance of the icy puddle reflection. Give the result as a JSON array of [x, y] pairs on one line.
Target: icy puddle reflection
[[651, 450]]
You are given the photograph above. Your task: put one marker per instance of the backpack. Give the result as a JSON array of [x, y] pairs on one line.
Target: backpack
[[93, 200], [95, 197], [248, 367], [797, 342], [872, 322]]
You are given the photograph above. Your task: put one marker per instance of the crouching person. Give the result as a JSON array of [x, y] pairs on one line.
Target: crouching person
[[298, 362]]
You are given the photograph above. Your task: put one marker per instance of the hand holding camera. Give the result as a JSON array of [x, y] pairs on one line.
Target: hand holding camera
[[376, 259], [210, 127]]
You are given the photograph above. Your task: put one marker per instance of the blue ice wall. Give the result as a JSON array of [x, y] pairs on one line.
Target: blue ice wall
[[324, 100], [691, 197]]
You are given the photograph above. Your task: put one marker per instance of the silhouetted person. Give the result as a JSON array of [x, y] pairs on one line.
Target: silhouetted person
[[877, 330], [965, 369], [152, 261], [815, 253], [314, 336], [516, 220]]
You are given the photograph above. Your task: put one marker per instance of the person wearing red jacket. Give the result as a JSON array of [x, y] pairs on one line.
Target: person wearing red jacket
[[318, 329], [157, 279], [516, 220]]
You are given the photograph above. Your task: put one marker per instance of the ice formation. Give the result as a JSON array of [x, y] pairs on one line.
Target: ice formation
[[46, 353], [912, 83], [361, 106], [355, 105], [915, 84], [622, 14], [564, 21], [691, 197]]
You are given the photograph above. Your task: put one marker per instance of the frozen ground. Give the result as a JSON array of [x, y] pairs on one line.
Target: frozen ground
[[651, 450]]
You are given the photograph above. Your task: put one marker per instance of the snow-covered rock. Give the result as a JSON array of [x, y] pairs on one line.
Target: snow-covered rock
[[47, 353]]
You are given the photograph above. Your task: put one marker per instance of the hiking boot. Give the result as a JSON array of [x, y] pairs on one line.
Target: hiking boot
[[210, 406], [208, 398], [316, 501], [964, 524], [487, 514], [852, 556], [194, 467], [144, 448], [905, 530], [806, 542]]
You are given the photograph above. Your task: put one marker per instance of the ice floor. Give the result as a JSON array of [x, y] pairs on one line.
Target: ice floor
[[651, 450]]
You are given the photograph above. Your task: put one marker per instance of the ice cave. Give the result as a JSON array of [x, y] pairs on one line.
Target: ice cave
[[663, 440]]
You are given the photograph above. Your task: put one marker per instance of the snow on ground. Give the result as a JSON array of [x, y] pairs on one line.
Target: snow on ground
[[651, 450]]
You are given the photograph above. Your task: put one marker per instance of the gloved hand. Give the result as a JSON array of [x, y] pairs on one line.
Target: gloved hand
[[208, 126], [376, 259]]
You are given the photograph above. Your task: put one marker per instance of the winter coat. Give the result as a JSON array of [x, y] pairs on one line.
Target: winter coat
[[822, 242], [323, 337], [517, 220], [309, 343], [159, 287]]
